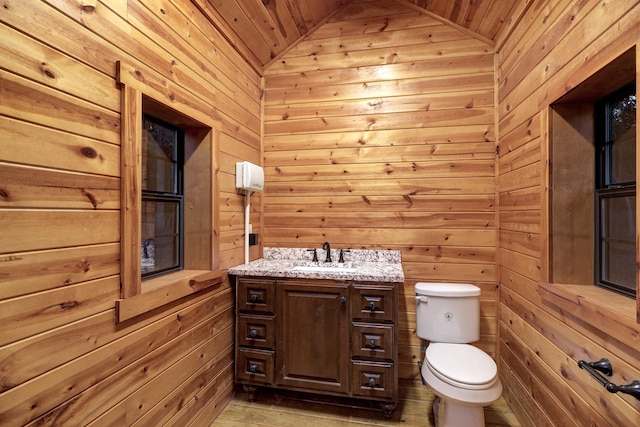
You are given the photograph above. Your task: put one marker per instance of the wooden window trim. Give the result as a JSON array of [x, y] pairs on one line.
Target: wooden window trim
[[138, 297], [602, 310]]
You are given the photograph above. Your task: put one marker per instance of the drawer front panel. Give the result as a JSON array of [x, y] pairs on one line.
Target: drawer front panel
[[372, 341], [373, 303], [256, 331], [255, 366], [373, 380], [256, 295]]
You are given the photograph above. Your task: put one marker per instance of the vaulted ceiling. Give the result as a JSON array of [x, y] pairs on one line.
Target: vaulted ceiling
[[262, 29]]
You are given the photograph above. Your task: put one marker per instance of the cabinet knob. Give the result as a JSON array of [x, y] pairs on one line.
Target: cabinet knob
[[343, 299], [253, 333], [253, 298], [372, 306], [372, 383], [253, 368], [372, 344]]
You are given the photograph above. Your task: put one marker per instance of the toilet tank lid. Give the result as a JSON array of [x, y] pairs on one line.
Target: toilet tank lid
[[447, 289]]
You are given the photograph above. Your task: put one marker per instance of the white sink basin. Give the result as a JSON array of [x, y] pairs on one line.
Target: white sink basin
[[322, 269]]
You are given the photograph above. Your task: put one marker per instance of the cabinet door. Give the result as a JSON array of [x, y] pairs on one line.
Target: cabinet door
[[313, 336]]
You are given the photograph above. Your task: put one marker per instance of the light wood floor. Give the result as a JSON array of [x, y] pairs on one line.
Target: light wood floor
[[292, 409]]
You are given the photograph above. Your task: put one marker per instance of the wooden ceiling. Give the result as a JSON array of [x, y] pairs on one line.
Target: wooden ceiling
[[262, 29]]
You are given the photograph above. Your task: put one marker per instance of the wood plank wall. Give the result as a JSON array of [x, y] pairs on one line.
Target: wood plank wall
[[556, 46], [379, 134], [63, 360]]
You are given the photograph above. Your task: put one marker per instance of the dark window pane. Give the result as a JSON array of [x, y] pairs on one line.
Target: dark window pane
[[161, 246], [159, 157], [617, 241], [616, 121], [622, 118], [160, 237]]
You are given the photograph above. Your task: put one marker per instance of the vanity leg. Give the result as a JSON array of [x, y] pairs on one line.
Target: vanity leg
[[388, 408], [251, 392]]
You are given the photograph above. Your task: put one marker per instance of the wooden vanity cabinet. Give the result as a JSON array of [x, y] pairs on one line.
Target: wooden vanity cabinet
[[321, 336]]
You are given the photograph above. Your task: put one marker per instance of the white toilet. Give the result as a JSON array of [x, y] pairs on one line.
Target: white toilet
[[464, 377]]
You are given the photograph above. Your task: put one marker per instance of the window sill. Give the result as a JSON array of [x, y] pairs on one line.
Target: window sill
[[612, 314], [166, 289]]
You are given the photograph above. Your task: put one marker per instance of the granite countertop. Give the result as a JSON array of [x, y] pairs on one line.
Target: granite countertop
[[360, 265]]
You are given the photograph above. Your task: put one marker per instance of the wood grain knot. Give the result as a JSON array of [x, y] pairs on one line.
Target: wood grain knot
[[89, 152], [91, 197], [69, 305], [88, 6], [47, 71]]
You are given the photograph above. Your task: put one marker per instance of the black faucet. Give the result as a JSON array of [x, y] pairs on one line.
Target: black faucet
[[327, 248]]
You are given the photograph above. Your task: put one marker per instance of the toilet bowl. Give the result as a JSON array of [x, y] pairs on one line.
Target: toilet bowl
[[465, 378]]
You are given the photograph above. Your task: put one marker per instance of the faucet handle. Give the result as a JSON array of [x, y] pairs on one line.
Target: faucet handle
[[315, 254], [342, 251]]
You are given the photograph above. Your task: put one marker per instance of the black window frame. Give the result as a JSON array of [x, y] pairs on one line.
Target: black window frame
[[605, 188], [173, 197]]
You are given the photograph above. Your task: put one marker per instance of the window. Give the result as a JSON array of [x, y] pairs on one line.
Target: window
[[592, 182], [162, 197], [615, 199], [169, 186]]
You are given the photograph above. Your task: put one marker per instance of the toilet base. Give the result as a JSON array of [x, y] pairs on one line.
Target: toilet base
[[455, 415], [462, 407]]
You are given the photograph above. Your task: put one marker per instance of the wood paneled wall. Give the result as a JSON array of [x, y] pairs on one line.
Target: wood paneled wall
[[379, 134], [377, 131], [556, 46], [63, 359]]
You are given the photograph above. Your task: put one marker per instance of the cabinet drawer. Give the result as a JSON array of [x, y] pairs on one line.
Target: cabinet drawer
[[254, 366], [256, 295], [256, 331], [372, 341], [373, 380], [373, 303]]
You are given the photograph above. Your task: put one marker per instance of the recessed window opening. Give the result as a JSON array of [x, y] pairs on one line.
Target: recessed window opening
[[170, 216], [592, 181], [162, 197]]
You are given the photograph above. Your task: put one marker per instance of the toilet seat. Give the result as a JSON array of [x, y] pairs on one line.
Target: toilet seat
[[461, 365]]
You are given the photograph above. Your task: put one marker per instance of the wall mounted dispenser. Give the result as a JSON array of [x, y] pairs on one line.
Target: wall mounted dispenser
[[249, 177]]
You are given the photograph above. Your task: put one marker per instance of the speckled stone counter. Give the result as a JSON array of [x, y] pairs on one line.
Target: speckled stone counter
[[358, 265]]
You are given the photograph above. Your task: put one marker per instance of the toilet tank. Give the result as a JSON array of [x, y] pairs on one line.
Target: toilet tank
[[448, 312]]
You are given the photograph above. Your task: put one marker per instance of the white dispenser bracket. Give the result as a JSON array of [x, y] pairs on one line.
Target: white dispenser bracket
[[249, 178]]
